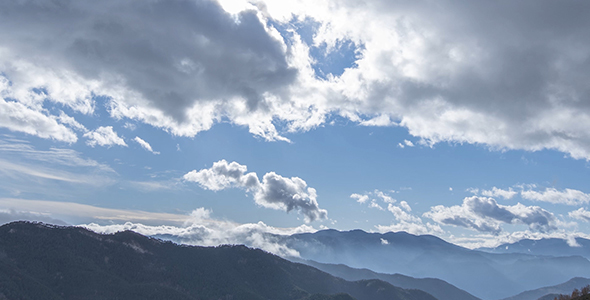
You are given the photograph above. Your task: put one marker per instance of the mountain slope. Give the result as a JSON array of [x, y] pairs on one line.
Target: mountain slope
[[564, 288], [38, 261], [440, 289]]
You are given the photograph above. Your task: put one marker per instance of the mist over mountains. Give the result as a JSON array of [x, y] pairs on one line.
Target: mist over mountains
[[485, 275], [554, 247]]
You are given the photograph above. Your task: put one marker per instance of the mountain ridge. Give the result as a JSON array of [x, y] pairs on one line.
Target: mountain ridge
[[61, 263]]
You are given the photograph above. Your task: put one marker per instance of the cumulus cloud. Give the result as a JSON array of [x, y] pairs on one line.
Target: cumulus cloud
[[405, 144], [104, 136], [145, 145], [496, 192], [223, 175], [213, 65], [383, 197], [552, 195], [580, 214], [486, 215], [16, 116], [449, 74], [274, 191], [360, 198]]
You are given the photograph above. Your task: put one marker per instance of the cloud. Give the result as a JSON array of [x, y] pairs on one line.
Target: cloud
[[496, 192], [181, 74], [76, 212], [145, 145], [552, 195], [403, 219], [405, 144], [446, 75], [486, 215], [202, 230], [274, 191], [488, 240], [60, 156], [360, 198], [580, 214], [223, 175], [22, 164], [10, 215], [373, 204], [17, 117], [104, 136], [196, 228], [413, 228]]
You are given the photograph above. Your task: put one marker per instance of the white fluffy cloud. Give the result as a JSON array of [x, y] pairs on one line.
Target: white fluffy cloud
[[274, 191], [145, 145], [486, 215], [17, 116], [496, 192], [580, 214], [553, 195], [460, 72], [360, 198], [104, 136]]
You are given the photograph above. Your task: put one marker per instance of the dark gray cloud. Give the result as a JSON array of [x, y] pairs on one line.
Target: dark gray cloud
[[173, 52], [165, 55]]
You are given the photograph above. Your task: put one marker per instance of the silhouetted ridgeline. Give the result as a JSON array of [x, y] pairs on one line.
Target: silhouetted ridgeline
[[39, 261]]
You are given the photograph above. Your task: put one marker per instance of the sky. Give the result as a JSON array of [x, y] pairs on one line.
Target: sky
[[221, 121]]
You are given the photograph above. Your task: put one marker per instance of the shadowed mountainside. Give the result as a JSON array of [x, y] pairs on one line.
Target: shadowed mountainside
[[440, 289], [564, 288], [39, 261]]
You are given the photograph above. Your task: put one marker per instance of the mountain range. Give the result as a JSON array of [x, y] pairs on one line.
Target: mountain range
[[553, 247], [551, 292], [40, 261], [74, 263], [483, 274], [440, 289]]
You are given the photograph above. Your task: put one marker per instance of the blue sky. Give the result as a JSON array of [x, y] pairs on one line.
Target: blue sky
[[465, 122]]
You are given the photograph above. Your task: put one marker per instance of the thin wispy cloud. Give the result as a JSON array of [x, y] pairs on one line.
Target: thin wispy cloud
[[145, 145]]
